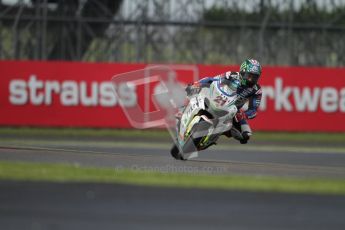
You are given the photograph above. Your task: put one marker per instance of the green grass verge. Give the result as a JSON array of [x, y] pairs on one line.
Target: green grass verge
[[163, 134], [81, 132], [73, 173]]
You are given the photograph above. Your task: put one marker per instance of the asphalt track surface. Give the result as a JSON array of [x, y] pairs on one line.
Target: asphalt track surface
[[55, 206], [246, 160], [33, 205]]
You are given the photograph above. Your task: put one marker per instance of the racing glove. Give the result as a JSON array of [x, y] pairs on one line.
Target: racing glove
[[240, 115]]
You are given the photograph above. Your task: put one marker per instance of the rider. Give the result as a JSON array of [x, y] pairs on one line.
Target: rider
[[249, 93]]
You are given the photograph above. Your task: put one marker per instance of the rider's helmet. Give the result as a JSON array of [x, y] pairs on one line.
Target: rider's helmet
[[250, 72]]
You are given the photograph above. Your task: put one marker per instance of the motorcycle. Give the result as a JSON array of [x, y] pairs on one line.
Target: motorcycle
[[208, 114]]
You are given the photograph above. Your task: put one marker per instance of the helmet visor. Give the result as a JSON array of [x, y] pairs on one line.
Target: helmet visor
[[251, 78]]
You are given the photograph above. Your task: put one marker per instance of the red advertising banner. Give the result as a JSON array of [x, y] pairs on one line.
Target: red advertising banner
[[66, 94], [302, 99], [82, 95]]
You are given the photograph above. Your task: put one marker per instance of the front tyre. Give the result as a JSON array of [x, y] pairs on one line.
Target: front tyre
[[175, 153]]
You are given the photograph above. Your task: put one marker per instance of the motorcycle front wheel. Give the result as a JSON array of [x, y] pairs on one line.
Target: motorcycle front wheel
[[175, 153]]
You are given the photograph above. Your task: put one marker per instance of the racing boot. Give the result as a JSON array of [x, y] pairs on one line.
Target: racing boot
[[246, 133], [245, 137], [235, 132]]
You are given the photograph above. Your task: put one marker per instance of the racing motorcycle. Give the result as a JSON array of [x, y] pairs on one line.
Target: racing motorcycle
[[208, 114]]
